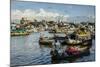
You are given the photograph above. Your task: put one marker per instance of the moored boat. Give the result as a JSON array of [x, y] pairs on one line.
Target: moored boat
[[45, 41], [78, 42], [19, 34]]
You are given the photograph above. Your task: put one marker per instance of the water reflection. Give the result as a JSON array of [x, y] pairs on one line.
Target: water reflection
[[26, 50]]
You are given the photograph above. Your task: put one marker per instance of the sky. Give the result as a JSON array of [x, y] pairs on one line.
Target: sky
[[51, 11]]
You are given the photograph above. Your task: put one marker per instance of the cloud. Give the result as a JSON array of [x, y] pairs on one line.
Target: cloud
[[37, 14]]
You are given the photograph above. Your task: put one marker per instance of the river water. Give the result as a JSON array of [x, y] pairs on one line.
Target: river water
[[25, 50]]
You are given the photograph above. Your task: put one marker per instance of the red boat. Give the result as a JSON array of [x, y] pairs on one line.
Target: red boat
[[70, 53]]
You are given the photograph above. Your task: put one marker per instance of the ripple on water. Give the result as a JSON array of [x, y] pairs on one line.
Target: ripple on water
[[25, 50]]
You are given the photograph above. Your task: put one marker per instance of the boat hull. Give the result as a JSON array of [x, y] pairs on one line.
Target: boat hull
[[19, 34], [42, 42], [84, 42], [70, 57]]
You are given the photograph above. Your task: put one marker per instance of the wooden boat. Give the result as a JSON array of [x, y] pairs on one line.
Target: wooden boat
[[19, 34], [71, 42], [78, 42], [68, 55], [75, 39], [45, 41], [83, 34]]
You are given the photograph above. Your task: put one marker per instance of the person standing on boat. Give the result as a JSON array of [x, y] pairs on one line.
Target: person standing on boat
[[56, 44]]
